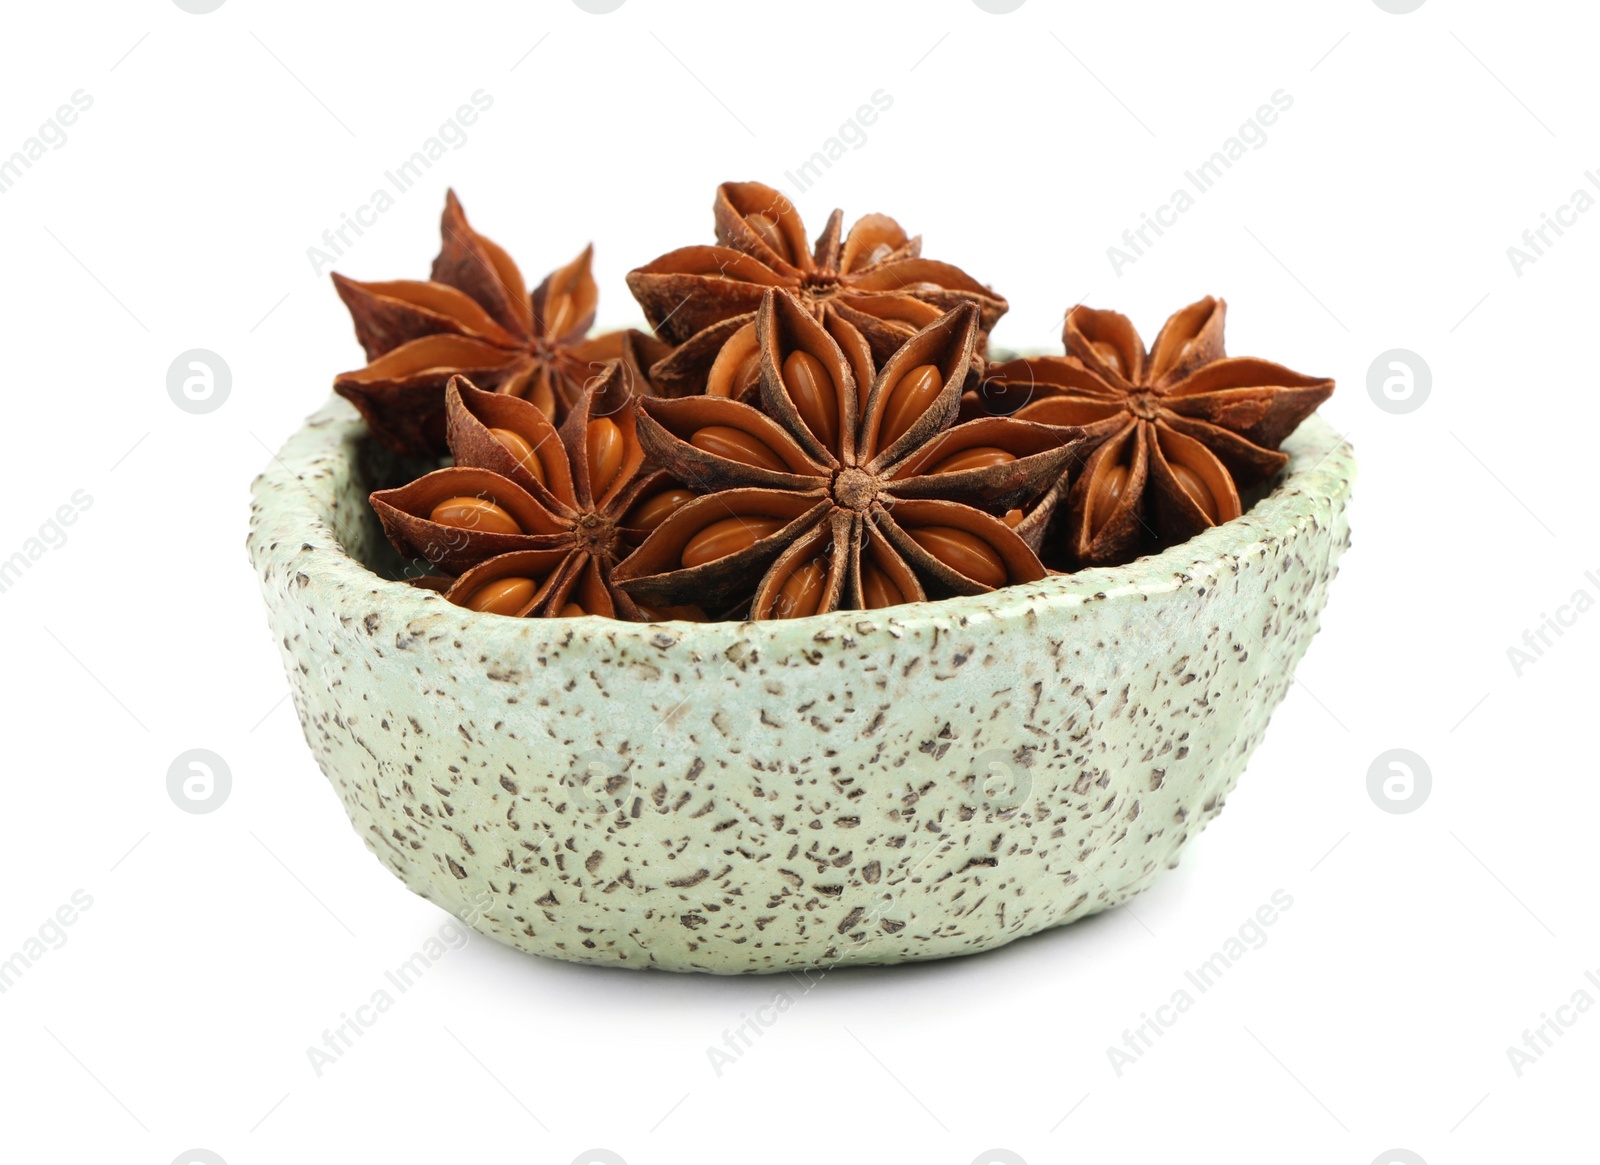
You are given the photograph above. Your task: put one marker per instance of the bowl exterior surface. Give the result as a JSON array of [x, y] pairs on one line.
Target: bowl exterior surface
[[928, 781]]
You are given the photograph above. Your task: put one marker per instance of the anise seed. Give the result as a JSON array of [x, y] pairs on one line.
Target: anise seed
[[541, 396], [813, 393], [474, 514], [1106, 497], [878, 589], [1194, 485], [519, 448], [737, 366], [801, 593], [605, 454], [749, 372], [908, 399], [737, 445], [726, 537], [505, 596], [963, 552], [651, 512]]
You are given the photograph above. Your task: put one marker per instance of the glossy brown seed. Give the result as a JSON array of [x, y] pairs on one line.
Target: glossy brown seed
[[907, 401], [737, 445], [504, 596], [1194, 485], [478, 514], [605, 454], [1014, 518], [878, 589], [963, 552], [540, 394], [978, 457], [726, 537], [814, 394], [767, 228], [519, 448], [801, 593], [894, 314], [748, 373], [572, 611], [654, 510], [737, 366], [1106, 496]]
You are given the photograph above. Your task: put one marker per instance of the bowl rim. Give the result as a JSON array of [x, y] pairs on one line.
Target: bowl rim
[[292, 529]]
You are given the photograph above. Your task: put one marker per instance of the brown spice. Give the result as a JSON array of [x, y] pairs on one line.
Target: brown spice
[[1174, 432], [533, 519], [835, 497], [476, 318]]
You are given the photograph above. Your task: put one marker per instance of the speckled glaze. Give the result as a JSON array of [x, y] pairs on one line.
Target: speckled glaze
[[933, 780]]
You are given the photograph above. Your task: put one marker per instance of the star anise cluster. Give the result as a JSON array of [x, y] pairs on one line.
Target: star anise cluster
[[1175, 432], [475, 317], [813, 427], [704, 298], [532, 520], [847, 488]]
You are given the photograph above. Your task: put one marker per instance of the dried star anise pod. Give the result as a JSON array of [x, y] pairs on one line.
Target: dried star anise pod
[[1176, 431], [532, 519], [475, 317], [705, 297], [834, 499]]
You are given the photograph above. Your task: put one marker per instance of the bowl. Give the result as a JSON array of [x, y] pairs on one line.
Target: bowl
[[854, 788]]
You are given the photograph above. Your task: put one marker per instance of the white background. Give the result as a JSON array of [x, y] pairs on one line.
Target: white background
[[1377, 215]]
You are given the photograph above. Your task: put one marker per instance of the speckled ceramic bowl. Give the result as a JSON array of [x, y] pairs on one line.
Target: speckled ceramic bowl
[[931, 780]]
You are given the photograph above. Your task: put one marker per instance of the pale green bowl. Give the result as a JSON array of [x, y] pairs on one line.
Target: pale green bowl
[[931, 780]]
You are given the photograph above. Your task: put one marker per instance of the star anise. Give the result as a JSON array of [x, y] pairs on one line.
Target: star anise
[[475, 317], [530, 518], [1176, 431], [831, 499], [705, 297]]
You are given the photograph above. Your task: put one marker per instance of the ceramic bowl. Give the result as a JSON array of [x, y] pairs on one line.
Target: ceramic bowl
[[925, 781]]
